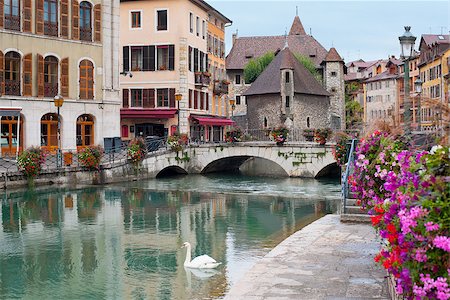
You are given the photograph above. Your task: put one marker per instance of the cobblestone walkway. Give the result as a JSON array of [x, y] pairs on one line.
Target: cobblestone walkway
[[325, 260]]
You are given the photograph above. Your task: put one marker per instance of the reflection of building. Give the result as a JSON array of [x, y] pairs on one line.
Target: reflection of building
[[163, 53], [48, 49]]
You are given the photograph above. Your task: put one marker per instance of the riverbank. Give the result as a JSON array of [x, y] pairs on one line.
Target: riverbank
[[325, 260]]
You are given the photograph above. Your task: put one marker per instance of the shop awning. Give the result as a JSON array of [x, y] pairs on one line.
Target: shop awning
[[10, 111], [204, 120], [127, 113]]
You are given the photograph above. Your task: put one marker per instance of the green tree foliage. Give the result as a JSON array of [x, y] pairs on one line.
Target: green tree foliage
[[256, 66], [353, 109], [309, 65]]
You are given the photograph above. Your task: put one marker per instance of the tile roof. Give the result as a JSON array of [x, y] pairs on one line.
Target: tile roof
[[430, 39], [332, 55], [382, 76], [297, 27], [269, 81]]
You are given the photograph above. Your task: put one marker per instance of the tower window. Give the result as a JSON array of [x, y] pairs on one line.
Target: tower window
[[287, 77], [334, 74], [288, 99]]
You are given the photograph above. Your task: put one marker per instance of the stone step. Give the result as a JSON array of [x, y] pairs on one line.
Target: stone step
[[350, 209], [352, 195], [351, 202], [355, 218]]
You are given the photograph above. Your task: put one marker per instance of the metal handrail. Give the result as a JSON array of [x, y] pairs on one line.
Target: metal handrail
[[349, 165]]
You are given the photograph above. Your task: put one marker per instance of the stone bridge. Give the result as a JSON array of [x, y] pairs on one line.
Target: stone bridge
[[259, 158]]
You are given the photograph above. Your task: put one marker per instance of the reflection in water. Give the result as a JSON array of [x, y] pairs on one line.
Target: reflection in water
[[124, 241]]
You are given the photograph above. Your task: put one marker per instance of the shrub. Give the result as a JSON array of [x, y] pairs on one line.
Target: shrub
[[31, 160], [256, 66], [177, 141], [90, 157], [279, 134], [233, 135], [136, 150], [340, 150]]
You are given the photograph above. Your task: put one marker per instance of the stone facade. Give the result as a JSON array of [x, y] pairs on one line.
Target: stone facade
[[333, 77]]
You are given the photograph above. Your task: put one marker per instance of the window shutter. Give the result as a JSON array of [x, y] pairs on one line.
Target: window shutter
[[171, 57], [207, 102], [146, 58], [98, 23], [40, 16], [1, 15], [171, 97], [195, 100], [152, 98], [146, 98], [152, 58], [126, 58], [26, 15], [65, 19], [190, 58], [65, 77], [2, 84], [202, 100], [40, 73], [202, 57], [27, 75], [195, 60], [75, 20], [125, 100], [190, 98], [206, 60]]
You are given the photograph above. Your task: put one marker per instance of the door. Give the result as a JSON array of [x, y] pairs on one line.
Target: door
[[49, 132], [9, 136]]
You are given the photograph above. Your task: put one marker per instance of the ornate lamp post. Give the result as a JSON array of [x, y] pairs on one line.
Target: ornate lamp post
[[232, 101], [178, 97], [407, 41], [418, 88], [59, 101]]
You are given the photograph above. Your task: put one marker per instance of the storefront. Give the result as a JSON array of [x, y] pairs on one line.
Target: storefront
[[146, 122], [204, 128]]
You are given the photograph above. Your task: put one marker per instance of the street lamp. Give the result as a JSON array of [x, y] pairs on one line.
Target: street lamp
[[418, 88], [58, 101], [178, 97], [407, 41], [232, 101]]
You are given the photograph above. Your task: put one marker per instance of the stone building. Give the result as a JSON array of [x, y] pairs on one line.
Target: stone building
[[66, 48], [286, 93], [246, 48]]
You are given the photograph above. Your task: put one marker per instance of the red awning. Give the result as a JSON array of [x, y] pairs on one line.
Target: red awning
[[127, 113], [203, 120]]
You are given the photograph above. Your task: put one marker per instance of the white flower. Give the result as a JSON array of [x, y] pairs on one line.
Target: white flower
[[435, 148]]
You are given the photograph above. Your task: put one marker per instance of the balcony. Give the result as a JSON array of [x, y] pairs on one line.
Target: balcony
[[202, 79], [221, 87], [50, 89], [12, 87], [12, 22], [51, 28], [86, 34]]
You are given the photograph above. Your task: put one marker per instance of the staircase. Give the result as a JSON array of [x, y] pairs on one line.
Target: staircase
[[351, 212]]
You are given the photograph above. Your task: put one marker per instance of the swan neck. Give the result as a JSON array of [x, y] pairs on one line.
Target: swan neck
[[188, 254]]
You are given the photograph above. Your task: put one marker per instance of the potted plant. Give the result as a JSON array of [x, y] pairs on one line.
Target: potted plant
[[90, 156], [177, 141], [233, 135], [31, 160], [279, 135], [136, 150], [309, 134], [321, 135]]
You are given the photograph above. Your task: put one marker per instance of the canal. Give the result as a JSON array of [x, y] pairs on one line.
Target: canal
[[123, 241]]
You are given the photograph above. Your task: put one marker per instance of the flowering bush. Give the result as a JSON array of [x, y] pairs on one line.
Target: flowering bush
[[136, 150], [279, 135], [309, 134], [90, 157], [407, 194], [177, 141], [340, 150], [321, 135], [233, 135], [31, 160]]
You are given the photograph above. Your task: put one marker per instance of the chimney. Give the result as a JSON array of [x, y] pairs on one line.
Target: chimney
[[234, 37]]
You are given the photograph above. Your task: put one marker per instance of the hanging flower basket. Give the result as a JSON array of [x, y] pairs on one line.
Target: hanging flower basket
[[136, 150], [321, 135], [177, 142], [90, 157], [31, 160]]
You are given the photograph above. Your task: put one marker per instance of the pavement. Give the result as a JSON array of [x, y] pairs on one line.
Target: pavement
[[325, 260]]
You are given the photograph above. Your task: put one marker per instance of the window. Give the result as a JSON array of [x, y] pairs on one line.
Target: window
[[191, 22], [50, 76], [203, 29], [237, 79], [51, 17], [308, 124], [137, 58], [49, 129], [197, 24], [85, 131], [12, 73], [136, 98], [238, 100], [9, 135], [287, 77], [86, 79], [85, 21], [287, 101], [265, 122], [163, 97], [12, 14], [162, 20], [333, 74], [135, 19], [163, 57]]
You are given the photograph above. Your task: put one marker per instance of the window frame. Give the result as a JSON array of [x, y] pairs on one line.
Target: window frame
[[13, 61], [83, 124], [86, 78], [49, 26], [141, 14], [86, 35], [50, 85], [157, 10], [14, 21], [133, 99], [191, 22], [162, 103]]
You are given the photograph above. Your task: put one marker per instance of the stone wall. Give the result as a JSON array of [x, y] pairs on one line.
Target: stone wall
[[334, 83], [264, 106]]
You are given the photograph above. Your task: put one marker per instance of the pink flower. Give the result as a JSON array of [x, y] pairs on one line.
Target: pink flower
[[442, 242], [430, 226]]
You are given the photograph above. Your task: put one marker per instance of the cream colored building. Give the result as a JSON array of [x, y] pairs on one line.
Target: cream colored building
[[163, 53], [59, 47]]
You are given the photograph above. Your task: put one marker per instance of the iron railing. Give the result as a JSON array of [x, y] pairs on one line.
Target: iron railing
[[12, 87], [349, 168]]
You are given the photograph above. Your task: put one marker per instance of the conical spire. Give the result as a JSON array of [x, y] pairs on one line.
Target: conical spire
[[333, 55], [297, 27]]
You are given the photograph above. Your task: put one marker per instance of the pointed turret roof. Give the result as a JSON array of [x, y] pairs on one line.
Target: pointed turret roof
[[332, 55], [297, 27]]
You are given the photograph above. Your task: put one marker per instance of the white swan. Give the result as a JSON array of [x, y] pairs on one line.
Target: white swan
[[200, 262]]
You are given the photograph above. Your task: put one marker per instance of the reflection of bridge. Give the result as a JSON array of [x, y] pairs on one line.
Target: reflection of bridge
[[293, 159]]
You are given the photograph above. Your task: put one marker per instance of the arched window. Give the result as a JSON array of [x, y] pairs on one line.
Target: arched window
[[85, 130], [307, 122], [12, 73], [85, 21], [9, 135], [51, 17], [86, 79], [50, 76], [49, 132], [11, 10], [265, 122]]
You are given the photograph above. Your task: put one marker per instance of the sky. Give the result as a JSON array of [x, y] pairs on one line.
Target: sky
[[357, 29]]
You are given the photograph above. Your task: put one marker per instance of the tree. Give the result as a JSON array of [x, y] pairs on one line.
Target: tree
[[353, 109], [309, 65], [256, 66]]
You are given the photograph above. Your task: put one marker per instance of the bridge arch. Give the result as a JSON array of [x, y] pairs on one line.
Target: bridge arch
[[329, 170], [170, 171], [248, 165]]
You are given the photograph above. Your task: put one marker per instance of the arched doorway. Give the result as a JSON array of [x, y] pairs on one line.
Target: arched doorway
[[49, 132], [85, 131], [9, 135]]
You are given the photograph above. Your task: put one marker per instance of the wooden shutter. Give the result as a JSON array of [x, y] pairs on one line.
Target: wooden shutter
[[171, 97], [152, 58], [40, 16], [126, 58], [2, 62], [1, 14], [146, 58], [26, 15], [202, 57], [195, 60], [171, 57], [152, 98], [207, 101], [202, 100], [65, 19], [190, 98], [190, 58], [146, 98], [75, 20], [125, 98], [40, 75], [195, 100], [27, 75], [65, 77], [98, 23]]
